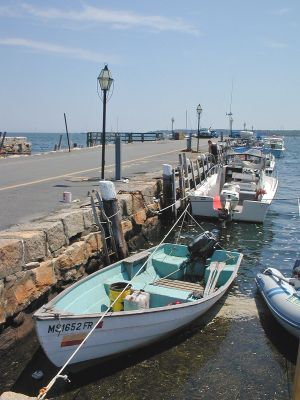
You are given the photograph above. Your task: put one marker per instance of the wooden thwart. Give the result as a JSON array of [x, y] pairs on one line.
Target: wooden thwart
[[175, 284]]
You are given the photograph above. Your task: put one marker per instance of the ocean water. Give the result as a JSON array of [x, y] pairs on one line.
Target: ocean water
[[44, 142], [236, 351]]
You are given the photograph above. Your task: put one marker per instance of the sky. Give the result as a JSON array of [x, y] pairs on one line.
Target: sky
[[165, 56]]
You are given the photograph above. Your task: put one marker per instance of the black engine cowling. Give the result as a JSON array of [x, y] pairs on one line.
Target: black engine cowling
[[203, 246]]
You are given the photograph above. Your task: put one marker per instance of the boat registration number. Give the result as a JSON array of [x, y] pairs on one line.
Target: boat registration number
[[70, 327]]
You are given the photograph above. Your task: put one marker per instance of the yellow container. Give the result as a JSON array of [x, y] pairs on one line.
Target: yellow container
[[115, 291]]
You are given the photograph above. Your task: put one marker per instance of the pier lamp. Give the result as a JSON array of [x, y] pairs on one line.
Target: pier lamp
[[105, 81], [172, 122], [199, 111]]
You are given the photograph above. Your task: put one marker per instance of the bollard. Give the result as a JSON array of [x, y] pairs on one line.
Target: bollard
[[111, 208], [118, 157], [189, 143]]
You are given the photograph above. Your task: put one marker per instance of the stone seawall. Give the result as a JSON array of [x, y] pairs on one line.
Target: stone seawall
[[40, 259]]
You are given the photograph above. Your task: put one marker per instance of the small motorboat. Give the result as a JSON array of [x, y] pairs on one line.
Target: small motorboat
[[275, 145], [136, 301], [282, 296], [244, 179], [247, 135]]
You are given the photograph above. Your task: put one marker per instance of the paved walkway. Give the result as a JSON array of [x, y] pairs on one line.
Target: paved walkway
[[32, 187]]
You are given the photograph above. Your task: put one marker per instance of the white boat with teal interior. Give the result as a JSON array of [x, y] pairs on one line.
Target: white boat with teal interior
[[136, 301], [275, 145], [282, 296]]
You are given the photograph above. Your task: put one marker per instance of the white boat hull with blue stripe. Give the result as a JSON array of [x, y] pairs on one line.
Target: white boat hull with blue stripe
[[282, 299]]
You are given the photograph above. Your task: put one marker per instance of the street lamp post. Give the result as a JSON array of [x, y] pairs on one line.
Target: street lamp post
[[105, 80], [199, 111], [172, 122]]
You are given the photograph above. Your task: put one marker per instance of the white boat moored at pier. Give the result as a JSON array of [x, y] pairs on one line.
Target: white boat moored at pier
[[240, 190], [275, 145]]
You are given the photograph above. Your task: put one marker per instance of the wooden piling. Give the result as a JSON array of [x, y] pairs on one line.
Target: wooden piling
[[190, 175], [193, 185], [59, 142], [174, 192], [67, 132], [167, 193], [111, 207], [186, 171], [199, 172], [181, 186], [2, 141]]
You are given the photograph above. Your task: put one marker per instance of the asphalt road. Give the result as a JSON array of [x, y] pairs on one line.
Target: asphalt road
[[32, 187]]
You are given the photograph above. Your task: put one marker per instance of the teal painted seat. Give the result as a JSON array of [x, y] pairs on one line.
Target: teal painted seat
[[175, 294], [169, 259], [163, 296]]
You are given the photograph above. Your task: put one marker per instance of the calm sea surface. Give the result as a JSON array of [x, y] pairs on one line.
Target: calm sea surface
[[237, 351], [43, 142]]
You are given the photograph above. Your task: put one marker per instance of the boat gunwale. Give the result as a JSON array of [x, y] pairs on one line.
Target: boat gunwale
[[41, 315]]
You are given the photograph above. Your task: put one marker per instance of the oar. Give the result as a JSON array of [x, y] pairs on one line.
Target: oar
[[213, 271], [220, 266]]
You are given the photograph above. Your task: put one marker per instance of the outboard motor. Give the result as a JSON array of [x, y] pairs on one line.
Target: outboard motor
[[203, 246], [229, 196]]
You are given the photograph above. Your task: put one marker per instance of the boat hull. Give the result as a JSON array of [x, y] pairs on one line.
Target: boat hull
[[282, 301], [119, 333], [251, 211], [278, 153]]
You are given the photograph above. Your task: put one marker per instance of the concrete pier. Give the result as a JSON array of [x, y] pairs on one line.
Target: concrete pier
[[47, 244]]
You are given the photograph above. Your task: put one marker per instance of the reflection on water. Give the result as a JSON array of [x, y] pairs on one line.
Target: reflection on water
[[237, 350]]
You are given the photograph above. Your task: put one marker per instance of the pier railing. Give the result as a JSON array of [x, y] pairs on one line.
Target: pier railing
[[95, 138]]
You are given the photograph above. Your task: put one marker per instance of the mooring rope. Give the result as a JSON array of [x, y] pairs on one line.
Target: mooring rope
[[45, 390]]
